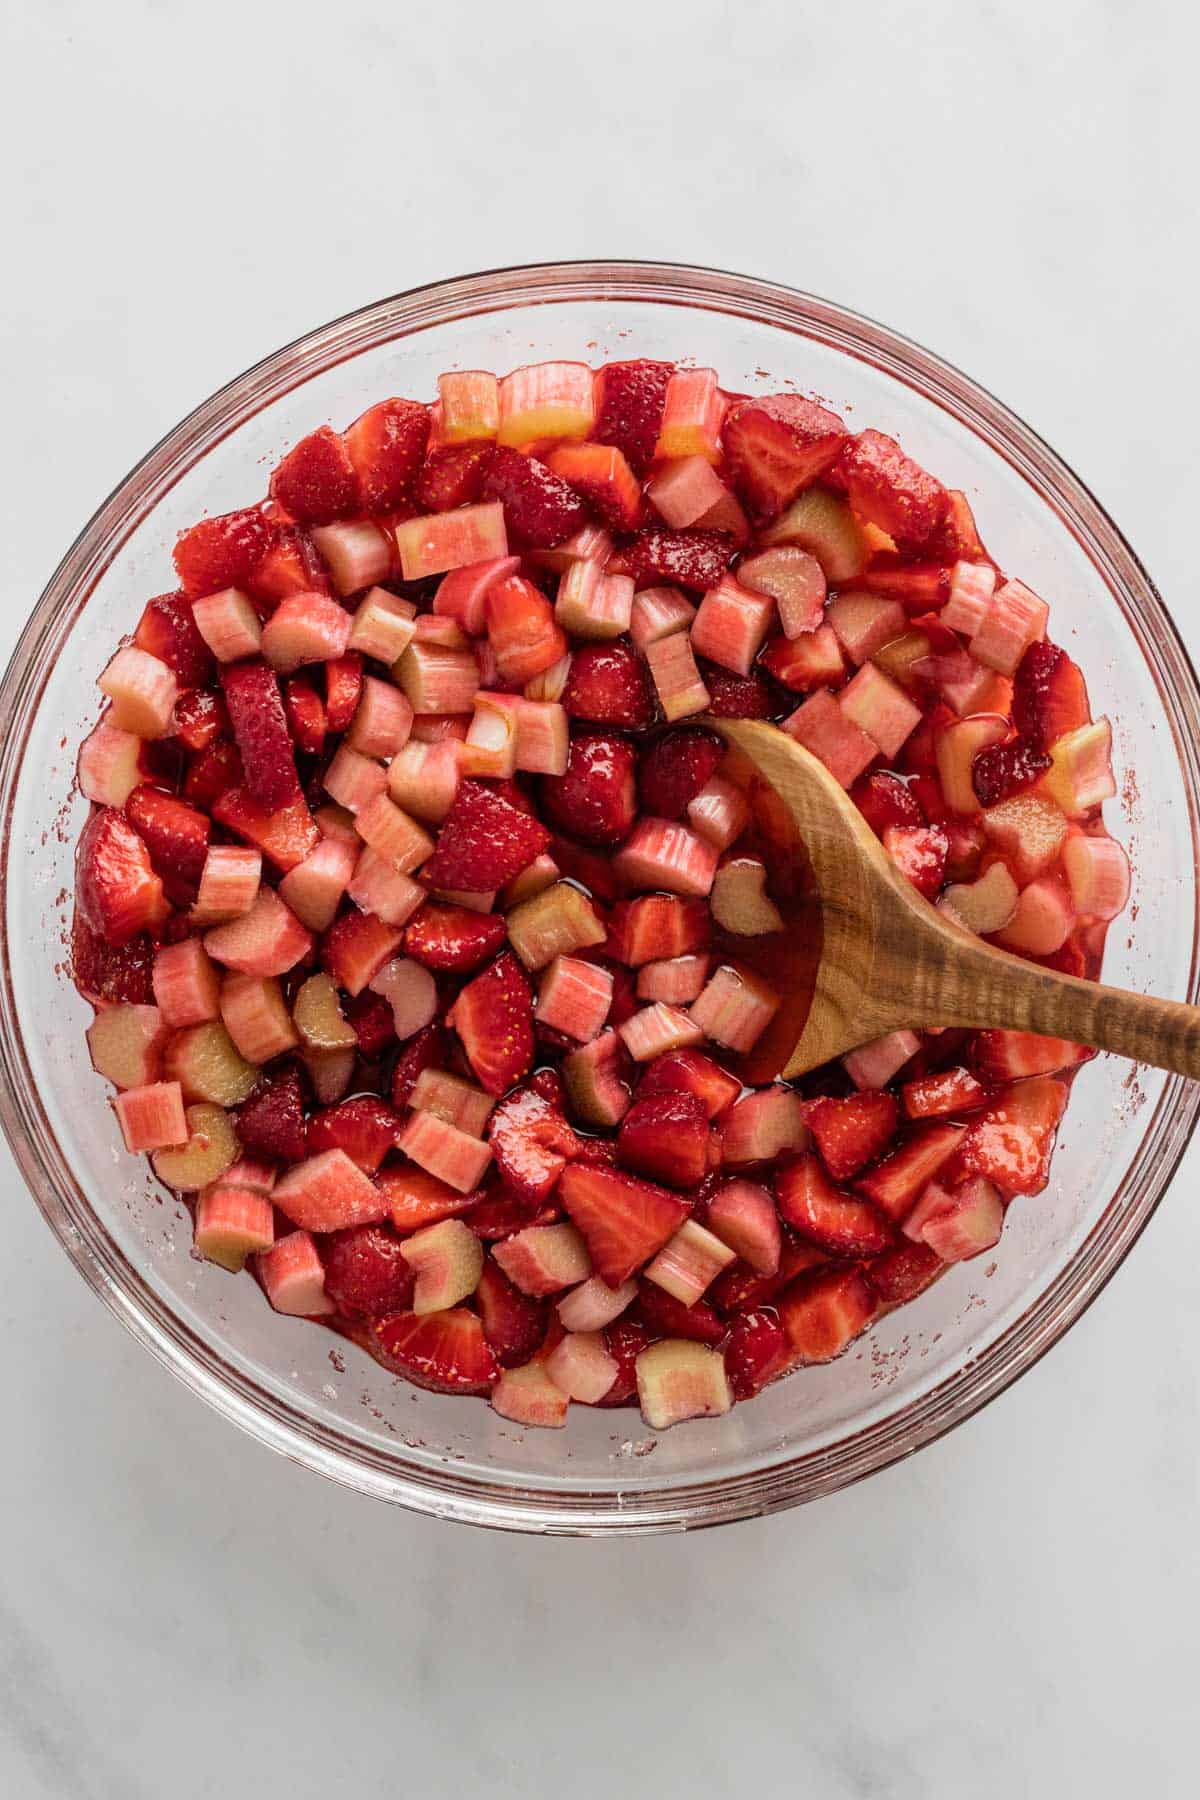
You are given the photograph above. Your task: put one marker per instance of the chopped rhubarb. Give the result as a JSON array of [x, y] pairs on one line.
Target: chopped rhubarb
[[677, 1380]]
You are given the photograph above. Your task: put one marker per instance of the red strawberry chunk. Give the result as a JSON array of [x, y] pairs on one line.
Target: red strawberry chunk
[[630, 397], [895, 1182], [108, 973], [451, 937], [355, 948], [665, 1316], [521, 630], [757, 1351], [316, 481], [175, 834], [733, 696], [502, 1214], [609, 684], [1006, 769], [167, 630], [260, 728], [823, 1311], [514, 1323], [531, 1143], [656, 927], [452, 475], [603, 477], [674, 768], [903, 1272], [1011, 1142], [292, 565], [305, 712], [373, 1022], [1049, 695], [920, 853], [850, 1133], [271, 1123], [624, 1221], [343, 690], [810, 1203], [740, 1289], [595, 798], [213, 772], [625, 1339], [483, 843], [1008, 1055], [426, 1050], [116, 888], [366, 1274], [365, 1128], [415, 1198], [201, 719], [665, 1137], [285, 835], [688, 1072], [445, 1351], [890, 490], [947, 1091], [222, 552], [694, 559], [885, 800], [385, 447], [776, 446], [540, 510], [493, 1017]]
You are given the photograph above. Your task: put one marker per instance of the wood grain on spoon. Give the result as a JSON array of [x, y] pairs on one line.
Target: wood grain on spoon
[[889, 959]]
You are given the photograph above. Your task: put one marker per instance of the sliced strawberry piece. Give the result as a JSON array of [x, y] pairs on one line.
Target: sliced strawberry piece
[[1049, 695], [625, 1339], [260, 728], [920, 852], [271, 1123], [483, 843], [1006, 769], [884, 800], [365, 1128], [1012, 1141], [385, 447], [452, 475], [109, 974], [493, 1017], [665, 1137], [540, 510], [776, 446], [630, 397], [810, 1203], [292, 565], [521, 630], [514, 1323], [625, 1221], [168, 630], [947, 1091], [427, 1050], [656, 927], [531, 1142], [175, 834], [286, 835], [445, 1351], [850, 1133], [902, 1273], [451, 937], [316, 481], [895, 1183], [609, 684], [116, 888], [343, 690], [355, 948], [1009, 1055], [201, 719], [222, 552], [366, 1274], [213, 772], [757, 1351], [305, 712], [823, 1311], [371, 1018], [689, 1072], [665, 1316], [595, 798], [739, 1289], [674, 768], [733, 696], [694, 559], [501, 1214], [890, 490]]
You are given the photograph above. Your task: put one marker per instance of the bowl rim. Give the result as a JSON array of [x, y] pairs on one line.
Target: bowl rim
[[564, 1509]]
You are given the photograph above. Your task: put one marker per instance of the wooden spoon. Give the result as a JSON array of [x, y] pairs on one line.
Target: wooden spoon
[[890, 960]]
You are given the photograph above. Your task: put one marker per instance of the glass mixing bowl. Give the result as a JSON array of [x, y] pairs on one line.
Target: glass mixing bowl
[[925, 1368]]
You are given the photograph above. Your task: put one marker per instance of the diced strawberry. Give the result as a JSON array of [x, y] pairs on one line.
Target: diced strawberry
[[108, 973], [416, 1199], [355, 948], [810, 1203], [823, 1311], [757, 1351], [514, 1323], [343, 690], [385, 447], [888, 489], [292, 565], [919, 586], [271, 1122], [1006, 769], [213, 772], [484, 842], [665, 1316], [521, 630], [903, 1272], [370, 1016], [167, 630], [673, 770], [531, 1142], [919, 852], [1011, 1142], [609, 684], [452, 476], [1010, 1055], [365, 1128], [305, 712], [776, 446], [625, 1340], [625, 1221], [539, 508], [286, 835], [366, 1274], [694, 559], [629, 398], [850, 1133], [739, 1289], [947, 1091], [201, 718], [605, 480], [450, 937], [493, 1017], [222, 552], [175, 834], [895, 1183], [260, 728], [595, 799], [117, 890], [665, 1137], [1049, 695], [884, 800], [445, 1351], [733, 696], [316, 481]]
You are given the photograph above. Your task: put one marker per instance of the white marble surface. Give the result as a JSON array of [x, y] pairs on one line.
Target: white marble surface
[[1014, 1612]]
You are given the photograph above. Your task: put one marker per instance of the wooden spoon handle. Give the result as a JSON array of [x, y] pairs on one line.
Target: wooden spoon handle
[[982, 987]]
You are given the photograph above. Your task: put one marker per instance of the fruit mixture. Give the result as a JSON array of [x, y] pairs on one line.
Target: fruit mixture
[[431, 942]]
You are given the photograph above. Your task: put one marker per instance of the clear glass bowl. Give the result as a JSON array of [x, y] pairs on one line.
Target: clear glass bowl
[[925, 1368]]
